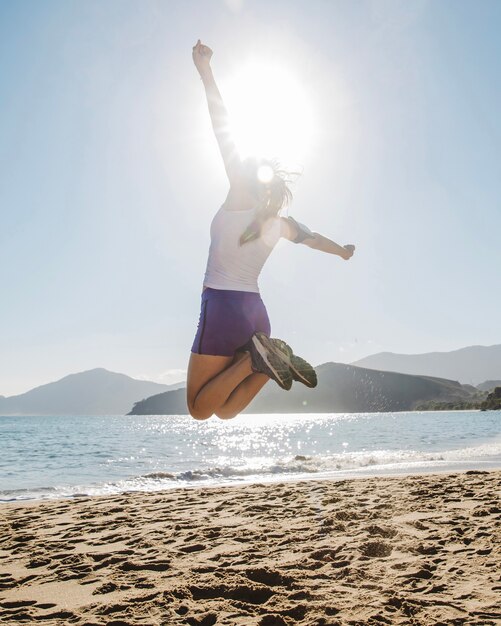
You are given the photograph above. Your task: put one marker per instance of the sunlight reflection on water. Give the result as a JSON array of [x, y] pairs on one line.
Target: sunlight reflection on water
[[153, 452]]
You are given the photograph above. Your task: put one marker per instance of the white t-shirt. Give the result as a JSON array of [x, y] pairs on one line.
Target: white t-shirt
[[234, 266]]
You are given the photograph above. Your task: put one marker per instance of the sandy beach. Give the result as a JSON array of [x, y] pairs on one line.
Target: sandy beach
[[387, 550]]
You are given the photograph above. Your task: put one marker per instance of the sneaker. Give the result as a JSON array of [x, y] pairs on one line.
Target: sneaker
[[267, 359], [300, 369]]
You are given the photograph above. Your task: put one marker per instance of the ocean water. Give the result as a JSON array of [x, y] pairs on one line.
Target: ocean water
[[52, 457]]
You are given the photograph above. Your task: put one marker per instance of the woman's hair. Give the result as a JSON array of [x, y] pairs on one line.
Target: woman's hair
[[270, 184]]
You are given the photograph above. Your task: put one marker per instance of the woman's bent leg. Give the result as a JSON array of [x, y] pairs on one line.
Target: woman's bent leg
[[211, 380], [242, 396]]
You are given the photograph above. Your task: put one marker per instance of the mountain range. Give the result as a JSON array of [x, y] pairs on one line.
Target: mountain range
[[341, 388], [94, 392], [471, 365], [381, 382]]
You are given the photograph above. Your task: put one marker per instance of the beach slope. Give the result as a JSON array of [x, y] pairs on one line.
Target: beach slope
[[387, 550]]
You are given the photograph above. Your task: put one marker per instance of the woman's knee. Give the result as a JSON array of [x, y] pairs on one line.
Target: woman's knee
[[226, 415], [198, 414]]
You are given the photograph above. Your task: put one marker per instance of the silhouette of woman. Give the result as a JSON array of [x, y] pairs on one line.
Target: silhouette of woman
[[233, 356]]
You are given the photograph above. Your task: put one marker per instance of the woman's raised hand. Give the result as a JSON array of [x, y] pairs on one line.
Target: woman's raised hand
[[201, 57], [350, 249]]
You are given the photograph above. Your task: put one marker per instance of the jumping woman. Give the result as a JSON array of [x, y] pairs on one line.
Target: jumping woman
[[233, 356]]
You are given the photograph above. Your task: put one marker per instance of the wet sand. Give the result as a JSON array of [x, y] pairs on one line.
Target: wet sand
[[417, 550]]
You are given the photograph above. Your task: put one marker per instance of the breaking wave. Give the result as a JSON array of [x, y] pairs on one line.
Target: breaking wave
[[268, 470]]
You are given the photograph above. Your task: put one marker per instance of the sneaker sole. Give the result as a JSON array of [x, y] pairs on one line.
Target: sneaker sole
[[303, 372], [269, 362]]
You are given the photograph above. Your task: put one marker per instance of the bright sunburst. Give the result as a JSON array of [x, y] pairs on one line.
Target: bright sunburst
[[270, 113]]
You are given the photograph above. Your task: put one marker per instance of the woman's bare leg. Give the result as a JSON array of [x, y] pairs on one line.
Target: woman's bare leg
[[242, 395], [212, 379]]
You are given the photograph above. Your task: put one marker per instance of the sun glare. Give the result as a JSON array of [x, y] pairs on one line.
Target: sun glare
[[265, 173], [270, 113]]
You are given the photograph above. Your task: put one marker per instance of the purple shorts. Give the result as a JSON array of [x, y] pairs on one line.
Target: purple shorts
[[228, 319]]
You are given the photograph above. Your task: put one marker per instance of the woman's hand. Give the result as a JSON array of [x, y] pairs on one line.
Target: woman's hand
[[201, 57], [350, 249]]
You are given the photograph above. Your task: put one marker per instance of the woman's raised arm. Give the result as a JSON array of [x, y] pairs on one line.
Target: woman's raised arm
[[219, 116]]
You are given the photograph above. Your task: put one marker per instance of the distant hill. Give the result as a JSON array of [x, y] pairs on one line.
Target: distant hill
[[489, 385], [472, 365], [167, 403], [340, 388], [493, 401], [94, 392]]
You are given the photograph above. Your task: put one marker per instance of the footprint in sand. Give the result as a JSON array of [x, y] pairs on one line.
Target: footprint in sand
[[142, 599], [17, 604], [325, 554], [207, 620], [182, 610], [155, 566], [38, 561], [196, 547], [345, 516], [376, 549], [273, 619], [144, 583], [426, 550], [268, 577], [108, 587], [422, 574], [251, 595], [381, 531]]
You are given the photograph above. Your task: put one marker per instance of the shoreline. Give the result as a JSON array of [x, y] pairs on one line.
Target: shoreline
[[301, 413], [131, 454], [412, 549], [419, 468]]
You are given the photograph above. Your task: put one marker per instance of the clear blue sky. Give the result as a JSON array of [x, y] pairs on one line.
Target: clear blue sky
[[110, 176]]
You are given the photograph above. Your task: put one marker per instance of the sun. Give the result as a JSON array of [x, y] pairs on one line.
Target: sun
[[270, 112]]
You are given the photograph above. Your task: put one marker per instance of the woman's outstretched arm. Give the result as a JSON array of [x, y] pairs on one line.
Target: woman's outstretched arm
[[298, 233], [219, 116], [319, 242]]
